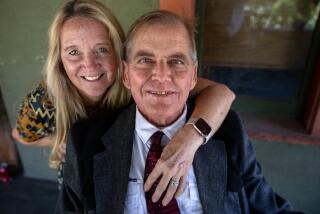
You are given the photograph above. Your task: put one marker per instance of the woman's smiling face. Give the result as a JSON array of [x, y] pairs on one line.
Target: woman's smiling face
[[88, 56]]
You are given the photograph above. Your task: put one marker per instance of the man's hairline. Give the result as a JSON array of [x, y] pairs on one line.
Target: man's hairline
[[128, 48]]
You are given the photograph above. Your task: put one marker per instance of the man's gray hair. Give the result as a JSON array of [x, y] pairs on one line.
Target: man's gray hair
[[165, 18]]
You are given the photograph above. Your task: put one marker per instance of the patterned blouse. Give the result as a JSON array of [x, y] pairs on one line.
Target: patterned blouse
[[36, 118]]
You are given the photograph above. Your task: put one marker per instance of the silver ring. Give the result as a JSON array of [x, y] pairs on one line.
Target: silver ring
[[174, 182], [181, 165]]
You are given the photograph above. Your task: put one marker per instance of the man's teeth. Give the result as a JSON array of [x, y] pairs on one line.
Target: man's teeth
[[92, 78], [159, 92]]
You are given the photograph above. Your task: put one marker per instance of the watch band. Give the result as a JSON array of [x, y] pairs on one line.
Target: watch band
[[201, 126]]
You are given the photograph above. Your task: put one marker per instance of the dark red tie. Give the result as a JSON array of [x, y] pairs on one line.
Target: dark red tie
[[152, 158]]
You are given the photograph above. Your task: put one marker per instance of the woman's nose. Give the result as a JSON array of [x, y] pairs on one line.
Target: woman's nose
[[90, 61]]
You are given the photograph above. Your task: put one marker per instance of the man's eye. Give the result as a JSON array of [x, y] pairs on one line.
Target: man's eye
[[174, 62], [74, 52], [145, 60]]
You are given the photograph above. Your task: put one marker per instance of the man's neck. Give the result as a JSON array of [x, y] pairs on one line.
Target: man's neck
[[161, 122], [145, 128]]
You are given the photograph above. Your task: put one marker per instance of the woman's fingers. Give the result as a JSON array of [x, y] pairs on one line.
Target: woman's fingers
[[154, 175], [176, 185], [175, 162], [171, 177], [62, 152], [162, 172], [161, 187], [181, 187]]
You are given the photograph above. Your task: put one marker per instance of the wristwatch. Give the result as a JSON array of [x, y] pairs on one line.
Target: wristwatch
[[201, 126]]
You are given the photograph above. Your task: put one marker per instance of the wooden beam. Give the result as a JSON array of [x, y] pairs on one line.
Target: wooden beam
[[185, 8]]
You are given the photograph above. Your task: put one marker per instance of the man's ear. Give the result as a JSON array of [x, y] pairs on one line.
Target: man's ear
[[194, 76], [125, 76]]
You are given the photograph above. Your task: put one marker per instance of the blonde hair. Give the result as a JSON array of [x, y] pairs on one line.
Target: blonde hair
[[69, 104]]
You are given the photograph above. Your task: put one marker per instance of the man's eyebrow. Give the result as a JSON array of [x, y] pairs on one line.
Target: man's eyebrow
[[178, 56], [143, 53]]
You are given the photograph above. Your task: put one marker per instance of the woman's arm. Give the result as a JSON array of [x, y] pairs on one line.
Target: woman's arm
[[47, 141], [212, 104], [42, 142]]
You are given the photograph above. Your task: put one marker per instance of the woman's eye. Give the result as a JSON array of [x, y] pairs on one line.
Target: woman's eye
[[74, 52], [102, 50]]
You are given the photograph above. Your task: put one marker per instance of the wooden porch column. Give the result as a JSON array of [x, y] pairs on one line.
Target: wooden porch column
[[312, 112]]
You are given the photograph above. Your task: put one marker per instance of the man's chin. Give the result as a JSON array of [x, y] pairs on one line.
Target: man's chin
[[159, 108], [161, 120], [162, 115]]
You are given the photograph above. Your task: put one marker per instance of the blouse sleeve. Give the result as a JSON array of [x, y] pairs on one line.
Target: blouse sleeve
[[36, 117]]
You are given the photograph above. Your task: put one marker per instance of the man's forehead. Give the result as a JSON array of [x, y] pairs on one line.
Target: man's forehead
[[171, 40], [163, 27]]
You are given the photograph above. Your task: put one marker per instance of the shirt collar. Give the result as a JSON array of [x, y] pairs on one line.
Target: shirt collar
[[144, 129]]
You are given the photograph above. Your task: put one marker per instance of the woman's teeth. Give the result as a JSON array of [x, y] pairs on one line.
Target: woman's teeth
[[92, 78]]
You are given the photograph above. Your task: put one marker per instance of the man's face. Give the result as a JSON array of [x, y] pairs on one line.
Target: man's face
[[160, 72]]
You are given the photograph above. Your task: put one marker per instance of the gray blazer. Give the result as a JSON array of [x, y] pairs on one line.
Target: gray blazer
[[228, 176]]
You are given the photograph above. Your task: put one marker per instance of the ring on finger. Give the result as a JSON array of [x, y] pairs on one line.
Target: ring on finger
[[174, 182], [181, 165]]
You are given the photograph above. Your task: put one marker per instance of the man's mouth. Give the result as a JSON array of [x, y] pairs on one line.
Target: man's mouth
[[92, 78], [161, 93]]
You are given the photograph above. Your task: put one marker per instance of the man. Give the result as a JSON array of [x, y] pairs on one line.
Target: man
[[160, 70]]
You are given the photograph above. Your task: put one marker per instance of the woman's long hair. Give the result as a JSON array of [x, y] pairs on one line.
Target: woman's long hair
[[69, 104]]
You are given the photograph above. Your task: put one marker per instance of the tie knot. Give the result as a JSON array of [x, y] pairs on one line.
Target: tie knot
[[156, 138]]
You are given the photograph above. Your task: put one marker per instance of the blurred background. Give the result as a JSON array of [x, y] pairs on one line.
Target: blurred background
[[266, 51]]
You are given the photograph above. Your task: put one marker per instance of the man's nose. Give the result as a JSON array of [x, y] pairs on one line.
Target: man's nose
[[161, 72]]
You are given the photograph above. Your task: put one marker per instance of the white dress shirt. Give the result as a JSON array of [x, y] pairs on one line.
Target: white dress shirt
[[188, 201]]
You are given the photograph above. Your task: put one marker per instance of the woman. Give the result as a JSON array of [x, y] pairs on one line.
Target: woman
[[83, 78]]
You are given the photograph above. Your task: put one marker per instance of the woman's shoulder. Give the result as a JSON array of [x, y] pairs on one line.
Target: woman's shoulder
[[38, 98]]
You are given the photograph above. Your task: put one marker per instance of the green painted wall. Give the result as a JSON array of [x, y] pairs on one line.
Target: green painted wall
[[23, 49]]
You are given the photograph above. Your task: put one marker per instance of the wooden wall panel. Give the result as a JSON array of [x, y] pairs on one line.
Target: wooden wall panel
[[230, 39]]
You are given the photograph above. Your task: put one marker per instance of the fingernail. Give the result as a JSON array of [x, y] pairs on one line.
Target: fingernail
[[153, 200]]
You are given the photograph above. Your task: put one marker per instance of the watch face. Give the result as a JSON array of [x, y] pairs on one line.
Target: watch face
[[203, 126]]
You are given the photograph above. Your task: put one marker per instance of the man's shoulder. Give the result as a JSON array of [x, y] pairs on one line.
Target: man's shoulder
[[233, 133], [232, 126]]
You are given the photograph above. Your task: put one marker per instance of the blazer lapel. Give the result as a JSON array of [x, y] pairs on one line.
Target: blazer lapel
[[210, 166], [111, 167]]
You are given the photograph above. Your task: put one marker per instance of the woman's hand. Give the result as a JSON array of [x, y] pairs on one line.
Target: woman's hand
[[62, 152], [174, 164]]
